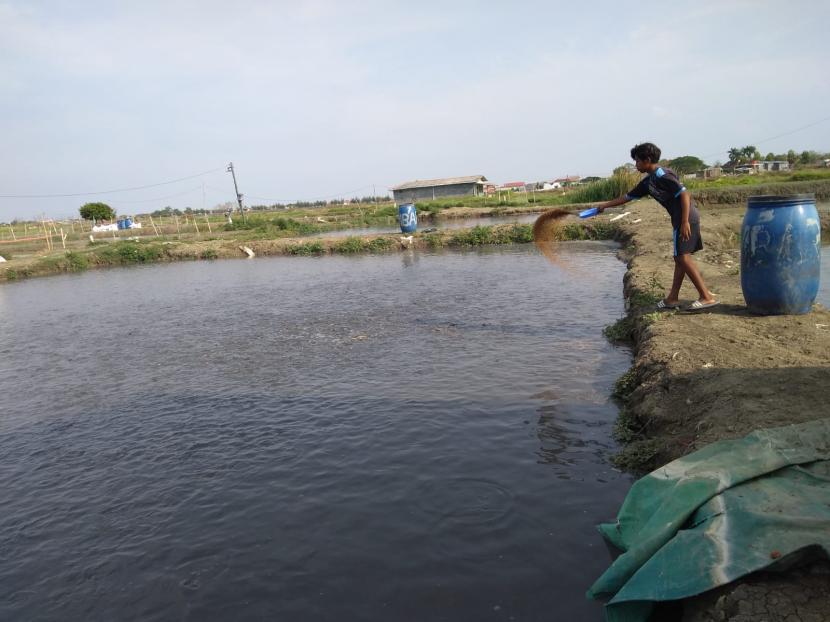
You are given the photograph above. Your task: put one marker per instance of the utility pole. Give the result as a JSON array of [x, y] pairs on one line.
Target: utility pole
[[236, 188]]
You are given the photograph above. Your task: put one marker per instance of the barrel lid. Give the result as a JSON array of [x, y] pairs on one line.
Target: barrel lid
[[774, 200]]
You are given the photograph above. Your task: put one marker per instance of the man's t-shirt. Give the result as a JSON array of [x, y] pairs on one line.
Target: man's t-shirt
[[666, 189]]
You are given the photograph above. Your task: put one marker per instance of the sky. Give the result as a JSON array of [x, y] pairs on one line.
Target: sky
[[322, 99]]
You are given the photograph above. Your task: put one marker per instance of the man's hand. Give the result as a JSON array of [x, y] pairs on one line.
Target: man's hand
[[685, 231]]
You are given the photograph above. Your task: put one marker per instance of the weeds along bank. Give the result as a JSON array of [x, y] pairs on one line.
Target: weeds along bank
[[131, 252]]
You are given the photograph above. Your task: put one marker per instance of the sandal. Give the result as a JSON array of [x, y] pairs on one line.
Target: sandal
[[697, 305], [663, 305]]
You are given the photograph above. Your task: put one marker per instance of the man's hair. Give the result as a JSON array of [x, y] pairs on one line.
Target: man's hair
[[646, 152]]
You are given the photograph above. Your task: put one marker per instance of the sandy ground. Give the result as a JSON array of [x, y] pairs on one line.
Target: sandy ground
[[722, 372], [717, 374]]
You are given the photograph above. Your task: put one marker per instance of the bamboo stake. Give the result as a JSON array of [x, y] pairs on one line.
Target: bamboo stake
[[178, 231], [13, 236], [46, 234], [154, 226], [207, 220], [63, 239], [195, 224]]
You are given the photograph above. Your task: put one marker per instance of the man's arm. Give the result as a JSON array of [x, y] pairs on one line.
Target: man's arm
[[685, 208], [613, 203]]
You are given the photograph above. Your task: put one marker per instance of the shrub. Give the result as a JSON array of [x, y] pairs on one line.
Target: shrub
[[349, 246], [121, 253], [476, 236], [309, 248], [97, 211]]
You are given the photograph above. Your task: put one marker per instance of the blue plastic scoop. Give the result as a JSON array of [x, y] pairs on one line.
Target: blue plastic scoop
[[587, 213]]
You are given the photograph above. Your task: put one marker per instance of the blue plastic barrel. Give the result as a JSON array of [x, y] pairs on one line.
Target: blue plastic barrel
[[407, 217], [128, 223], [120, 224], [780, 254]]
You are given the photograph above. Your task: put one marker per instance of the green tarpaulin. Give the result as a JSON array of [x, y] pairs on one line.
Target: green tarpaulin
[[713, 516]]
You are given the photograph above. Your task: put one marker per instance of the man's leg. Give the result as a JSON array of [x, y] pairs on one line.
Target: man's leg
[[677, 281], [690, 268]]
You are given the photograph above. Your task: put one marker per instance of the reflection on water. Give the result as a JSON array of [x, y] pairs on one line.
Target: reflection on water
[[415, 436]]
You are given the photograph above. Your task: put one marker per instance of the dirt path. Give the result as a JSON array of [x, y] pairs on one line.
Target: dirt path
[[717, 374]]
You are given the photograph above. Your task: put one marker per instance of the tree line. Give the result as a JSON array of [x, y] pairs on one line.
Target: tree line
[[744, 155]]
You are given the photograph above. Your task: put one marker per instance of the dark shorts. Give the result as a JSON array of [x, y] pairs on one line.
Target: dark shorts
[[692, 245]]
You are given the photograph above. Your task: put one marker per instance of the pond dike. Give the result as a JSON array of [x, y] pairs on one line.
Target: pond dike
[[700, 377], [149, 249]]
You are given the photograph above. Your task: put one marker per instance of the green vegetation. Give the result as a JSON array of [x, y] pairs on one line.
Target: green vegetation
[[617, 185], [594, 230], [639, 455], [760, 179], [96, 211], [686, 164], [209, 253], [433, 240], [353, 245], [740, 155], [737, 194], [274, 227], [128, 252], [477, 236], [625, 384], [495, 234], [70, 262], [307, 249], [621, 330]]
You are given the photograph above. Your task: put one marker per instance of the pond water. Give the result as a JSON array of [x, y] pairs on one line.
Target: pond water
[[416, 436]]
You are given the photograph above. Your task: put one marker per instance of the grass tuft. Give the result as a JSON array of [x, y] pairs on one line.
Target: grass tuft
[[125, 253], [621, 330], [305, 250]]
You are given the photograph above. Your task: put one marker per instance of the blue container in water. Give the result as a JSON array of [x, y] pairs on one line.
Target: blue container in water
[[407, 217], [780, 254]]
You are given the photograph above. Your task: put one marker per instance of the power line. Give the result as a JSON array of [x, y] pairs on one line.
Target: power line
[[169, 196], [331, 196], [766, 140], [82, 194]]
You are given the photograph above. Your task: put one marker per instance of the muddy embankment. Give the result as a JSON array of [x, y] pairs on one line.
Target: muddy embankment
[[717, 374]]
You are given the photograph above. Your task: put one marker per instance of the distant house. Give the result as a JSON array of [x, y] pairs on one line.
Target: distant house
[[551, 185], [771, 165], [514, 186], [427, 189], [567, 181], [711, 172]]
